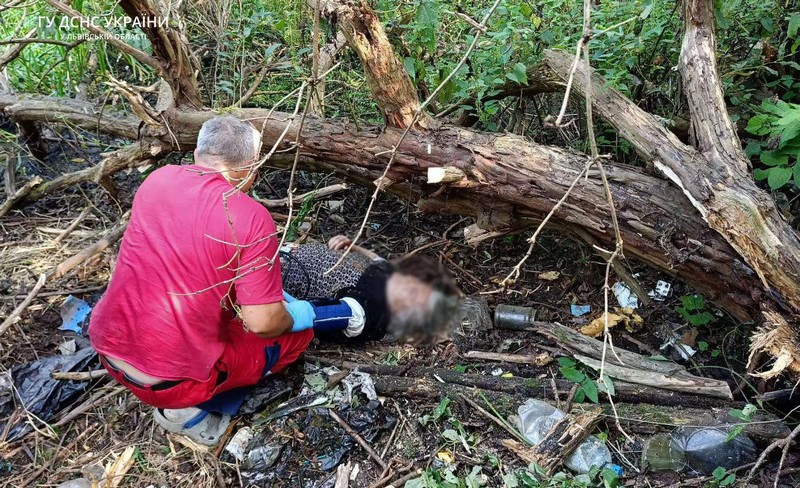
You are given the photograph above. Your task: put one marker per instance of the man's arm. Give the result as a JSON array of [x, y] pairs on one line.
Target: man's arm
[[268, 320]]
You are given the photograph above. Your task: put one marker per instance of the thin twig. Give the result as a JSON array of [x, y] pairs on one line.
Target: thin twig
[[494, 419], [352, 433]]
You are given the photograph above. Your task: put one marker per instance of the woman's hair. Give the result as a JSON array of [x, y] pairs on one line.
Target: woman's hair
[[429, 271], [426, 323]]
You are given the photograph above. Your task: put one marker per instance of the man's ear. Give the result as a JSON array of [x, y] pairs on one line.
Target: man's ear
[[257, 142]]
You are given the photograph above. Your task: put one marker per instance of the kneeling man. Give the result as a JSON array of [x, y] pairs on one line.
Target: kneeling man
[[195, 306]]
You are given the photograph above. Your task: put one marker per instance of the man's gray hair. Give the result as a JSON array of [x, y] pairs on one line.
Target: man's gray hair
[[227, 139]]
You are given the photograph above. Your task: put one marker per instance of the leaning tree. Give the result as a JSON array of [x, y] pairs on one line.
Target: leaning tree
[[696, 213]]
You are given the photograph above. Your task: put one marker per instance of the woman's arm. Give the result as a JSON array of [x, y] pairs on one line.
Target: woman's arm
[[340, 243]]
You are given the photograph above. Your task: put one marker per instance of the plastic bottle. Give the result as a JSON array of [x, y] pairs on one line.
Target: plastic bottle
[[536, 420], [698, 450]]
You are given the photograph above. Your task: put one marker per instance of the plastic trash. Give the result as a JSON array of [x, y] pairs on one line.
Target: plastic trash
[[698, 450], [35, 389], [536, 420], [238, 444], [625, 296], [578, 310], [74, 313], [661, 291]]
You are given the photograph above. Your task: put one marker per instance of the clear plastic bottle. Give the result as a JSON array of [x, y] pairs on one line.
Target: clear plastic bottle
[[536, 420], [698, 450]]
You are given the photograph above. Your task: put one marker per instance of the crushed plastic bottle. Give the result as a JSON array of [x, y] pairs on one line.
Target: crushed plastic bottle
[[698, 450], [536, 420]]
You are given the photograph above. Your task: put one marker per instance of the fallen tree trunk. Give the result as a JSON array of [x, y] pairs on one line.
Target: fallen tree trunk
[[510, 184]]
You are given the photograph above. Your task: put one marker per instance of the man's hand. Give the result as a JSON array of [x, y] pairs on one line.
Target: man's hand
[[339, 243], [302, 312]]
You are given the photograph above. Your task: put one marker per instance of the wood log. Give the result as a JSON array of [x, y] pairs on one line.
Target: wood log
[[431, 382], [631, 367], [639, 414], [659, 227]]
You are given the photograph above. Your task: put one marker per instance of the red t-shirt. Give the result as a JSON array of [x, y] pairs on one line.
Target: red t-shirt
[[168, 305]]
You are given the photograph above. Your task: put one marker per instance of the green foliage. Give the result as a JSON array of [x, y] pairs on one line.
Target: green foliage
[[744, 416], [589, 387], [305, 208], [694, 310], [447, 478], [780, 123], [722, 478]]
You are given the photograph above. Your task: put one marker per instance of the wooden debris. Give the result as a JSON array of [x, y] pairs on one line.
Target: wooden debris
[[563, 438], [19, 195]]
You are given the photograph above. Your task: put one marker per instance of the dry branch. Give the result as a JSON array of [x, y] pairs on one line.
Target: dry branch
[[19, 195]]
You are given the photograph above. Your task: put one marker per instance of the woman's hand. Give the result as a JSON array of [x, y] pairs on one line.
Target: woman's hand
[[339, 243]]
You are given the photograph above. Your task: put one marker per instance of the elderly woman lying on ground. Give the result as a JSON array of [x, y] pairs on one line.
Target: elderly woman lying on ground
[[411, 297]]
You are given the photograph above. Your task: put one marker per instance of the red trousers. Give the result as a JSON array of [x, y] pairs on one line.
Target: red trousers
[[246, 360]]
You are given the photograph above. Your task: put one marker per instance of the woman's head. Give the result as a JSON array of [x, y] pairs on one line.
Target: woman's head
[[422, 296]]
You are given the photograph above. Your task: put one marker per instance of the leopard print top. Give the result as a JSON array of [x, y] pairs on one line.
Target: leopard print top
[[302, 269]]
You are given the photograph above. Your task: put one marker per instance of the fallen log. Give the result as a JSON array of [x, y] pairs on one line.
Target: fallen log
[[423, 380], [643, 418], [631, 367]]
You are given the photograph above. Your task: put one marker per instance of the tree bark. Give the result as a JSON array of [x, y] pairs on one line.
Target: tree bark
[[387, 79]]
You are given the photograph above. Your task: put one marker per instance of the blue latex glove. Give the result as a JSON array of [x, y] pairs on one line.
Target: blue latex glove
[[302, 313]]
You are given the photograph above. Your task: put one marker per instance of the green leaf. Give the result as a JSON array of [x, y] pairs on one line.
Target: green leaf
[[441, 409], [428, 14], [753, 149], [702, 345], [566, 362], [590, 388], [796, 173], [701, 318], [646, 12], [759, 124], [794, 25], [475, 479], [610, 478], [779, 177], [728, 480], [518, 74], [408, 64], [760, 174], [510, 480], [451, 435], [719, 473], [774, 158], [572, 374], [606, 385], [580, 396]]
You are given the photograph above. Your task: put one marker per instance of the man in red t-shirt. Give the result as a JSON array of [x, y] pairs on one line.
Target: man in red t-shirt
[[197, 251]]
